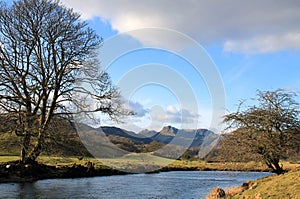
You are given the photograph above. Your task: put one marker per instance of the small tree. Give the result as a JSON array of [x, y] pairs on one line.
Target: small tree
[[49, 69], [269, 130]]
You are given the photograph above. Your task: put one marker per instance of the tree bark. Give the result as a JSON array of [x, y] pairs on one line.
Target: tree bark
[[275, 167], [23, 155], [37, 149], [25, 147], [278, 169]]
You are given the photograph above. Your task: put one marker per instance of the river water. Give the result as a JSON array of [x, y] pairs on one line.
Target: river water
[[175, 184]]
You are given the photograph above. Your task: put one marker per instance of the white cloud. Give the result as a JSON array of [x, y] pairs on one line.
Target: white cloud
[[243, 26], [172, 115], [172, 110], [264, 44], [138, 109], [156, 117]]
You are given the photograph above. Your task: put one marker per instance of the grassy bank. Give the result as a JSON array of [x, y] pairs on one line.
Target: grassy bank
[[147, 162], [282, 186], [275, 186], [74, 167]]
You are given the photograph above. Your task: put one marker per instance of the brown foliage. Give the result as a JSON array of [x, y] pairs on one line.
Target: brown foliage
[[269, 131]]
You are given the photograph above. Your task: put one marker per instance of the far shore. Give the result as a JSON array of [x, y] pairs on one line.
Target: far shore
[[76, 167]]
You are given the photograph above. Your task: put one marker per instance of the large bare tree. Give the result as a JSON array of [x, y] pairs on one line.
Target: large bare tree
[[49, 69], [269, 130]]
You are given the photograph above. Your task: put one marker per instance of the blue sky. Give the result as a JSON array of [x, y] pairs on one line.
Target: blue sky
[[252, 45]]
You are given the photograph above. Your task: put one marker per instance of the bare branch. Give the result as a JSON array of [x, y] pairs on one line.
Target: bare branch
[[269, 131], [47, 54]]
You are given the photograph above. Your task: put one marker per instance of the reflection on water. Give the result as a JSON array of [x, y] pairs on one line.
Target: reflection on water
[[176, 184]]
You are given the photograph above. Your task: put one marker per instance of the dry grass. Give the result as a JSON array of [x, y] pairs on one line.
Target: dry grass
[[145, 160], [8, 158], [234, 190], [275, 186], [282, 186]]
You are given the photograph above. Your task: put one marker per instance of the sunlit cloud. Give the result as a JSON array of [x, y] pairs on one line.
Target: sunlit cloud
[[264, 44], [138, 109], [172, 115], [241, 26]]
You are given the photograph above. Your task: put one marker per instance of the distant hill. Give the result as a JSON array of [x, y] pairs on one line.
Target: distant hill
[[196, 143], [184, 137], [169, 131], [109, 141], [64, 142], [148, 133], [114, 131]]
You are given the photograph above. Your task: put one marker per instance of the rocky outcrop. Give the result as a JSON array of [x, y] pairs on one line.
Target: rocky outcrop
[[216, 193]]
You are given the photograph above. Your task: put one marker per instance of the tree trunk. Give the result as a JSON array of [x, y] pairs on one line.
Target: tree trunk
[[35, 152], [23, 155], [25, 147], [278, 169], [37, 149], [275, 167]]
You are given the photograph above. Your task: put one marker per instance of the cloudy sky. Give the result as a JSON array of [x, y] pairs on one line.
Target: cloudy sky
[[252, 45], [187, 62]]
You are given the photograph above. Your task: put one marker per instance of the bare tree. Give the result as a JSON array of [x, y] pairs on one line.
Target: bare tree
[[269, 130], [49, 69]]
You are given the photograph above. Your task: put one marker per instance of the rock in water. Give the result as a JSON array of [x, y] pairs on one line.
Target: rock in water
[[216, 193]]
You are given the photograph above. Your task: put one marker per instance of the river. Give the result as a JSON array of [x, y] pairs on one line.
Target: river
[[175, 184]]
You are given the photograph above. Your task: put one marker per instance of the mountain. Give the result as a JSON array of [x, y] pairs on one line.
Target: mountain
[[166, 135], [169, 131], [197, 142], [106, 141], [109, 141], [184, 137], [147, 133], [114, 131]]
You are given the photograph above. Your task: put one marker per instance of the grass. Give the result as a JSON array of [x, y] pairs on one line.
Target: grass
[[234, 191], [148, 162], [8, 158], [282, 186]]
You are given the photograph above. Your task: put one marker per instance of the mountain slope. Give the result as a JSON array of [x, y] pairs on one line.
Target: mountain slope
[[184, 137], [111, 141], [147, 133], [114, 131]]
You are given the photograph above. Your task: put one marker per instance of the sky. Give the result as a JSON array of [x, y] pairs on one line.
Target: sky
[[186, 63]]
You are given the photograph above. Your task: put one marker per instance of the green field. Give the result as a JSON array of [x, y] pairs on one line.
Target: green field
[[147, 162], [283, 186]]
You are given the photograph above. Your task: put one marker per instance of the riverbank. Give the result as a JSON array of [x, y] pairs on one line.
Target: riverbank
[[15, 171], [75, 167], [275, 186]]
